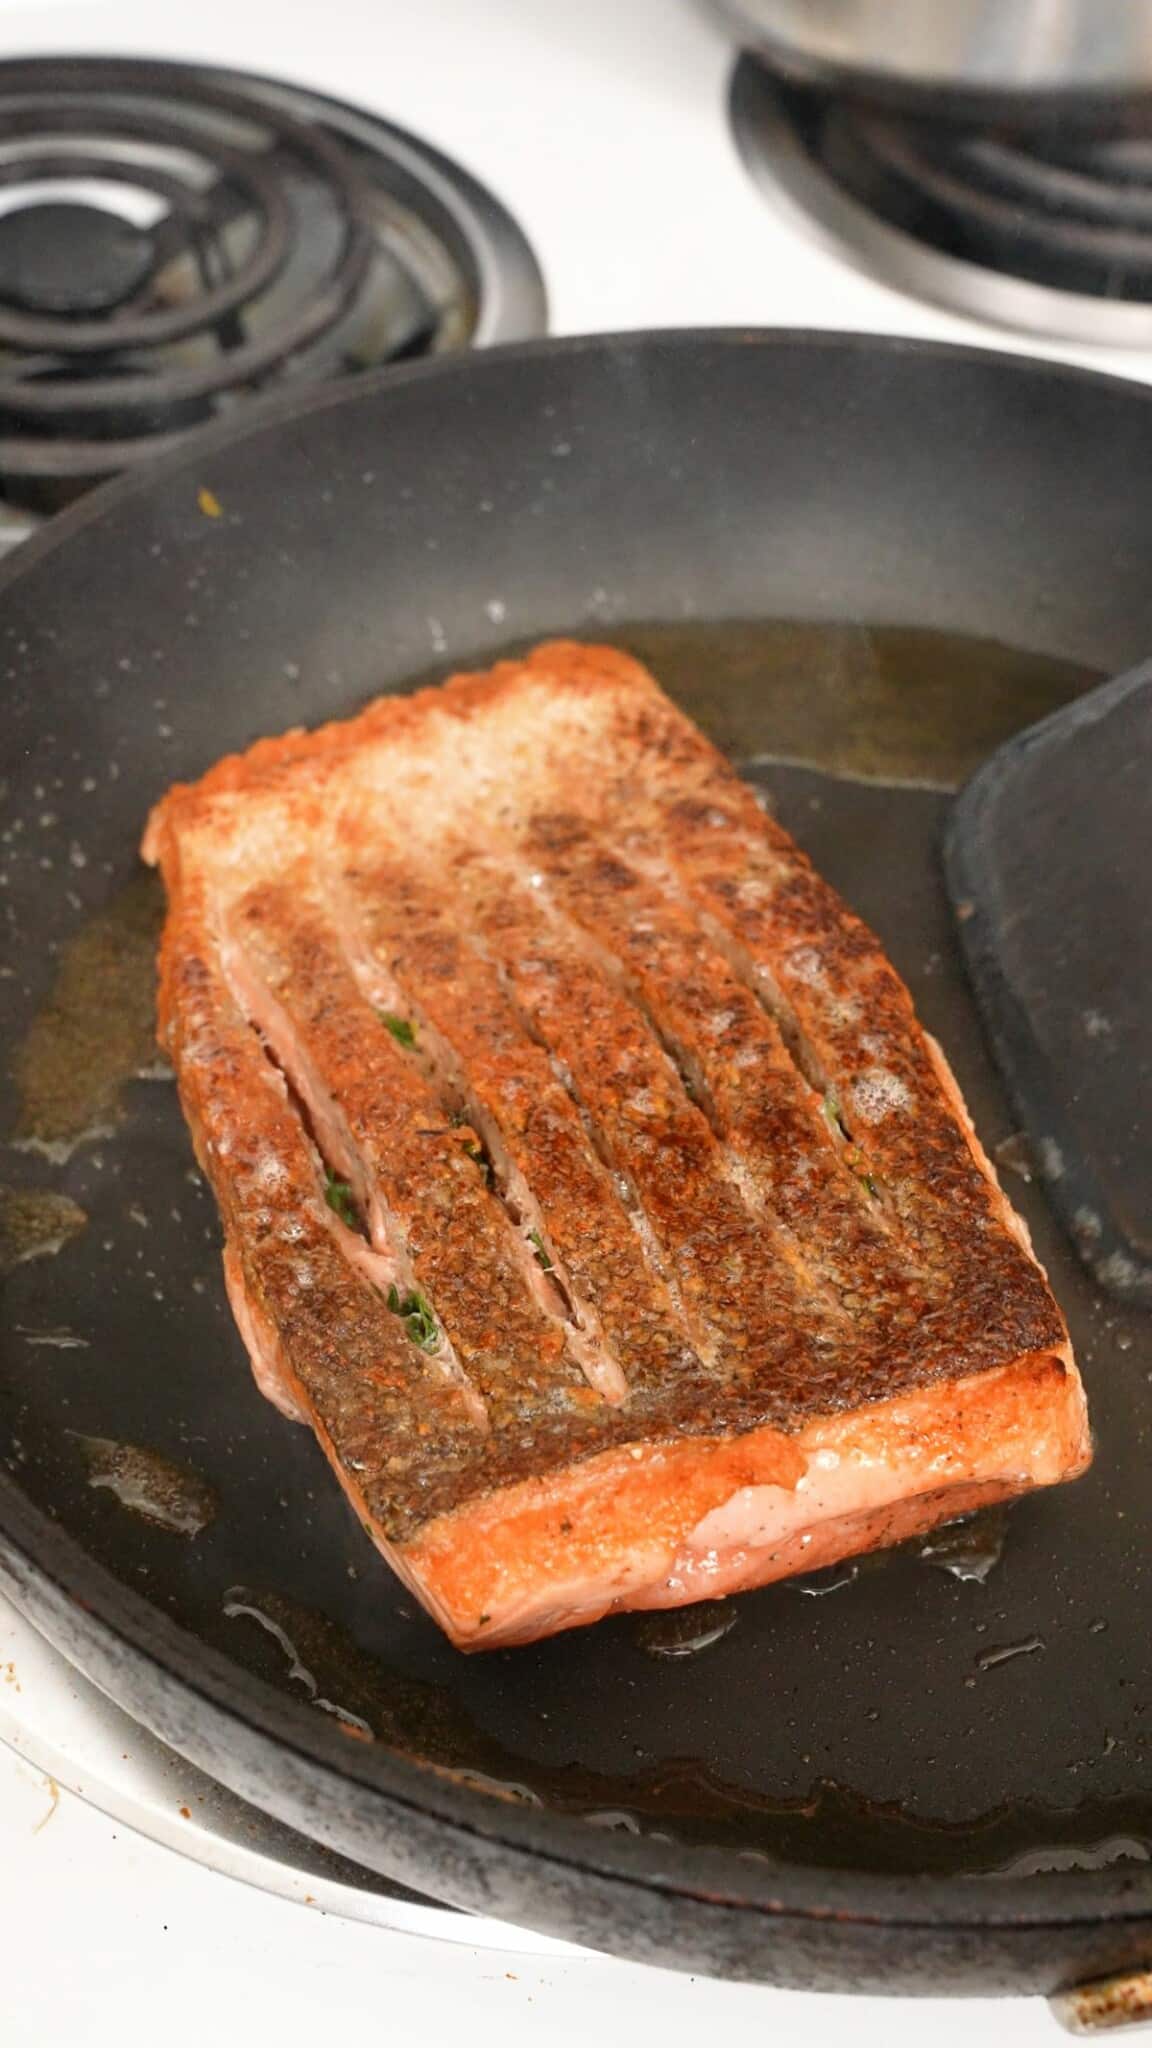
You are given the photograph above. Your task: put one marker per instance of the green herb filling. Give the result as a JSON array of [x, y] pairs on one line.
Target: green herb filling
[[415, 1312], [339, 1197], [402, 1030]]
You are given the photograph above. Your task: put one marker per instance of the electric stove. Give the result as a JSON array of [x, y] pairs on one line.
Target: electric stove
[[214, 204]]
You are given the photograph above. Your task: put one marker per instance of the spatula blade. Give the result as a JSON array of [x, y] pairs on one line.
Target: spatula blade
[[1048, 859]]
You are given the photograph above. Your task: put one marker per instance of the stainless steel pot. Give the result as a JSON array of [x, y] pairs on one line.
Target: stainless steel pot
[[975, 55]]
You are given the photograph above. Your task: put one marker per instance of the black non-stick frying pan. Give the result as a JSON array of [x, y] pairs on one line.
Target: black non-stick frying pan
[[861, 563]]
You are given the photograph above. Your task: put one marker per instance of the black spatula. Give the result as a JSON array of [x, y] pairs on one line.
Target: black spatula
[[1048, 857]]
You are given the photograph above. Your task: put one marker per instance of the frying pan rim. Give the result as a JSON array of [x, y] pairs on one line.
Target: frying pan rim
[[45, 1554], [277, 407]]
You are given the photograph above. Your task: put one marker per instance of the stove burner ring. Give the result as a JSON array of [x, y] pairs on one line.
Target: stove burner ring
[[1046, 233], [238, 174], [176, 237], [61, 258], [188, 218], [998, 203]]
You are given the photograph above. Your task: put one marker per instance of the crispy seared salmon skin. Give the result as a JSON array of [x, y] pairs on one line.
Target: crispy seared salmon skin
[[587, 1182]]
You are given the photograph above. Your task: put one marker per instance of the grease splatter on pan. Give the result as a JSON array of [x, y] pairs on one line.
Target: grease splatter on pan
[[97, 1029], [241, 1603], [968, 1550], [35, 1224], [148, 1484], [686, 1631]]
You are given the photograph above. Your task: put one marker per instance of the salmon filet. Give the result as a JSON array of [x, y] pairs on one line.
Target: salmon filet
[[587, 1181]]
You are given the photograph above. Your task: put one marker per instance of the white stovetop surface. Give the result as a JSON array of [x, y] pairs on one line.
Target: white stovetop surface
[[601, 124], [113, 1941], [109, 1938]]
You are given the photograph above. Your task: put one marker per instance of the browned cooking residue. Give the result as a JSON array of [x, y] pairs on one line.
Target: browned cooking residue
[[150, 1485], [53, 1804], [34, 1224], [97, 1029]]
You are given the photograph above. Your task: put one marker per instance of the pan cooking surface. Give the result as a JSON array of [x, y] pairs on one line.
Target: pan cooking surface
[[870, 1714], [983, 1712]]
